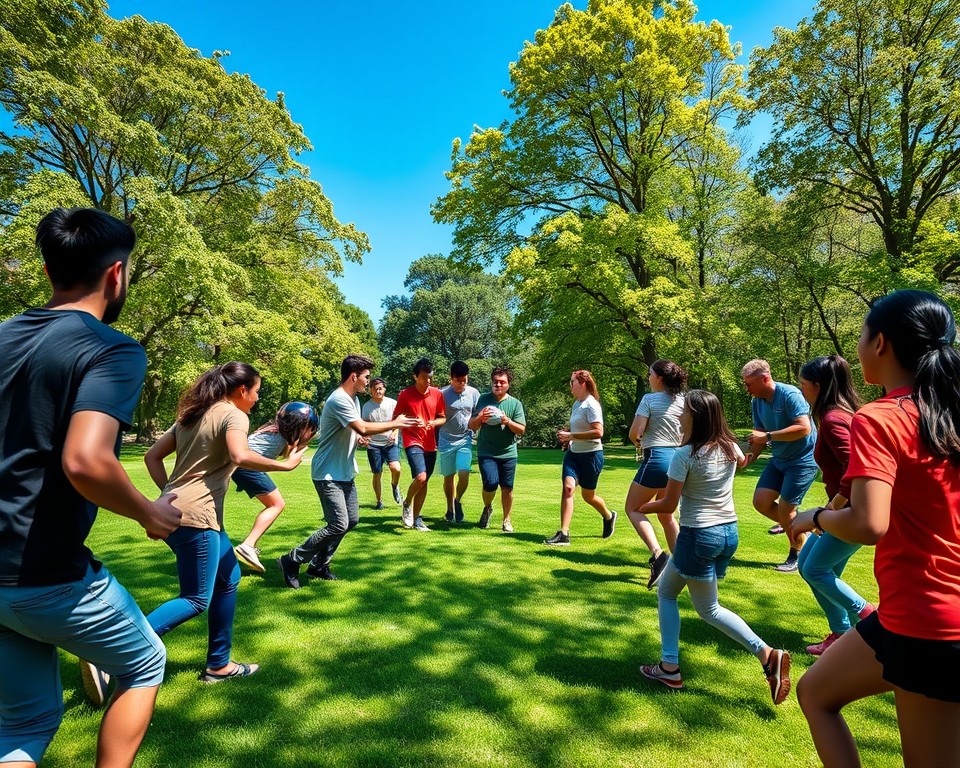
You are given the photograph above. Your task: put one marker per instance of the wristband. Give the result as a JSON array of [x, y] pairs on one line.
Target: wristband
[[816, 519], [769, 438]]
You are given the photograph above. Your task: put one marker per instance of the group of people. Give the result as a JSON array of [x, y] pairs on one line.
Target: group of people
[[891, 470]]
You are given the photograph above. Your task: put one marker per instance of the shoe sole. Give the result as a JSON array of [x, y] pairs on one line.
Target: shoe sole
[[94, 683], [673, 685], [556, 543], [258, 567], [783, 686]]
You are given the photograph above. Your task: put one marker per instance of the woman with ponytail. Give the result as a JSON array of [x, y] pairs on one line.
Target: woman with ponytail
[[904, 475], [210, 441]]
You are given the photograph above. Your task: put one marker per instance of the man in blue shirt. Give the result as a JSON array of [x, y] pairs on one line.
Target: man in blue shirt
[[455, 438], [781, 419]]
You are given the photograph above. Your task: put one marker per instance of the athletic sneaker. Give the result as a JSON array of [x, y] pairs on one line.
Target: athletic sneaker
[[407, 516], [250, 557], [448, 516], [775, 529], [507, 526], [322, 572], [290, 571], [777, 671], [420, 525], [657, 566], [609, 525], [559, 539], [790, 565], [818, 648], [396, 495], [379, 505], [95, 682], [658, 673], [485, 517], [457, 511]]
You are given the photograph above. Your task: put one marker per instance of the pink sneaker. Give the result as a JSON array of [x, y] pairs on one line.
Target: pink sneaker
[[866, 611], [819, 648]]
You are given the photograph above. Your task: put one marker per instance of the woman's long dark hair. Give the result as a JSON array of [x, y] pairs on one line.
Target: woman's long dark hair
[[673, 376], [291, 420], [832, 374], [211, 387], [922, 330], [708, 428]]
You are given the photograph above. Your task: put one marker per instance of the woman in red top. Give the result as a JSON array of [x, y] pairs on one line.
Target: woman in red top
[[905, 498]]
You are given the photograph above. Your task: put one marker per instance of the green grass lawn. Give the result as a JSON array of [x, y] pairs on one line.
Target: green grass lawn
[[469, 647]]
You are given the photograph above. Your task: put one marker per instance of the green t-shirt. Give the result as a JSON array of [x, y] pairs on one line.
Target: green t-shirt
[[492, 439]]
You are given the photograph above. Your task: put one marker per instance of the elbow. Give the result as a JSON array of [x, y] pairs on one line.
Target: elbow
[[80, 468], [872, 535]]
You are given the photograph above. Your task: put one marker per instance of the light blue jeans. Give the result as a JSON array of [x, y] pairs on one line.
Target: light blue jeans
[[703, 595], [821, 563], [209, 576], [94, 618]]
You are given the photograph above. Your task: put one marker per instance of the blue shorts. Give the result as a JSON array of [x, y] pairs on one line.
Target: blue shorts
[[421, 460], [792, 481], [378, 455], [254, 483], [496, 473], [456, 460], [703, 554], [653, 471], [94, 618], [584, 468]]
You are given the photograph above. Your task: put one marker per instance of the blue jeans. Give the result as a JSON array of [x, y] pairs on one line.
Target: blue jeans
[[209, 575], [821, 563], [94, 618]]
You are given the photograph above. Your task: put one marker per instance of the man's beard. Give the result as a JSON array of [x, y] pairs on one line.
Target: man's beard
[[113, 309]]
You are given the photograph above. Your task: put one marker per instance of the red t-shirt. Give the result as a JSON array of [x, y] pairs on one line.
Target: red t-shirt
[[832, 451], [917, 564], [427, 407]]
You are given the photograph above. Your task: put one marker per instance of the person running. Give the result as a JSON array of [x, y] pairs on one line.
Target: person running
[[583, 457], [333, 470], [382, 448], [209, 438], [423, 402], [293, 427], [656, 431], [827, 385], [455, 438], [701, 478], [68, 384], [781, 419], [904, 475], [499, 422]]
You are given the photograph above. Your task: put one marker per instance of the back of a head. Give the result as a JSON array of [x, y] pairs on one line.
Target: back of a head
[[673, 376], [78, 244], [708, 425]]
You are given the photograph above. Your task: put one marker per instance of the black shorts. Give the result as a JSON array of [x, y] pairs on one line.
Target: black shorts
[[927, 667]]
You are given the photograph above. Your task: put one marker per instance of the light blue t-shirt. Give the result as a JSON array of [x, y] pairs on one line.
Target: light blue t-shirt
[[784, 408], [334, 459], [458, 409]]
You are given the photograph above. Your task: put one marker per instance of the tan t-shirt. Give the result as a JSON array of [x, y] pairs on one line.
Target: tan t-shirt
[[201, 474]]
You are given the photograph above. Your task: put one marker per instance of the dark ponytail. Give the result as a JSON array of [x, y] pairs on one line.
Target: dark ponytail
[[921, 329], [211, 387], [832, 374], [673, 376]]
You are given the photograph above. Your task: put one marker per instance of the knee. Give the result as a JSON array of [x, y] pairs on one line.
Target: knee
[[567, 491], [280, 506], [805, 695], [421, 478], [198, 603]]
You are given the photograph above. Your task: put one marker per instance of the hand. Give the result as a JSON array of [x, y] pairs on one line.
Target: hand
[[563, 436], [162, 518], [748, 459], [757, 439], [362, 441], [802, 523], [407, 422], [296, 456], [485, 414]]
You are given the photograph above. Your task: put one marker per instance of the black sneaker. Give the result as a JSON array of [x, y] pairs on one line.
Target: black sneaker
[[322, 572], [458, 511], [448, 516], [657, 566], [559, 539], [379, 505], [609, 525], [485, 517], [290, 571]]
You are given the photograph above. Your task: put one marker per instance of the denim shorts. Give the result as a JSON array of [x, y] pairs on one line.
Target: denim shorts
[[584, 468], [421, 460], [456, 460], [94, 618], [496, 473], [653, 471], [254, 483], [703, 554], [378, 455], [937, 676], [791, 481]]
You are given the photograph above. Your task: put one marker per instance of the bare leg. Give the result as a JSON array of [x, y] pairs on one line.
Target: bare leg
[[419, 484], [394, 472], [273, 505], [765, 502], [463, 480], [420, 497], [671, 529], [376, 485], [124, 725], [637, 496], [785, 514], [566, 503], [506, 500], [448, 491], [596, 502], [929, 730]]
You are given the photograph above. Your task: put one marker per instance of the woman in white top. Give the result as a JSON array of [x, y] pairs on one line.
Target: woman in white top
[[583, 460], [656, 430]]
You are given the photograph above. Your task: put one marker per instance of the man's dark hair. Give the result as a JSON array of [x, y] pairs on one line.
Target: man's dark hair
[[78, 244], [378, 380], [422, 365], [502, 370], [458, 369], [354, 364]]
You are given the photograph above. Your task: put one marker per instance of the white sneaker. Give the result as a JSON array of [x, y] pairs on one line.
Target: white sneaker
[[420, 525], [95, 682], [249, 557], [507, 526], [407, 516]]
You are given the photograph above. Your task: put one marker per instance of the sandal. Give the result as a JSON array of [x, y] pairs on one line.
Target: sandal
[[241, 670]]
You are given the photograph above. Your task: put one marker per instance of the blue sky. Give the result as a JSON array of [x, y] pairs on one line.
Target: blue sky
[[383, 88]]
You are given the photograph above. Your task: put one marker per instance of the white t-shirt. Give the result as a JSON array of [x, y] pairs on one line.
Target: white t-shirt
[[381, 412], [707, 495], [334, 459], [585, 412], [662, 412]]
